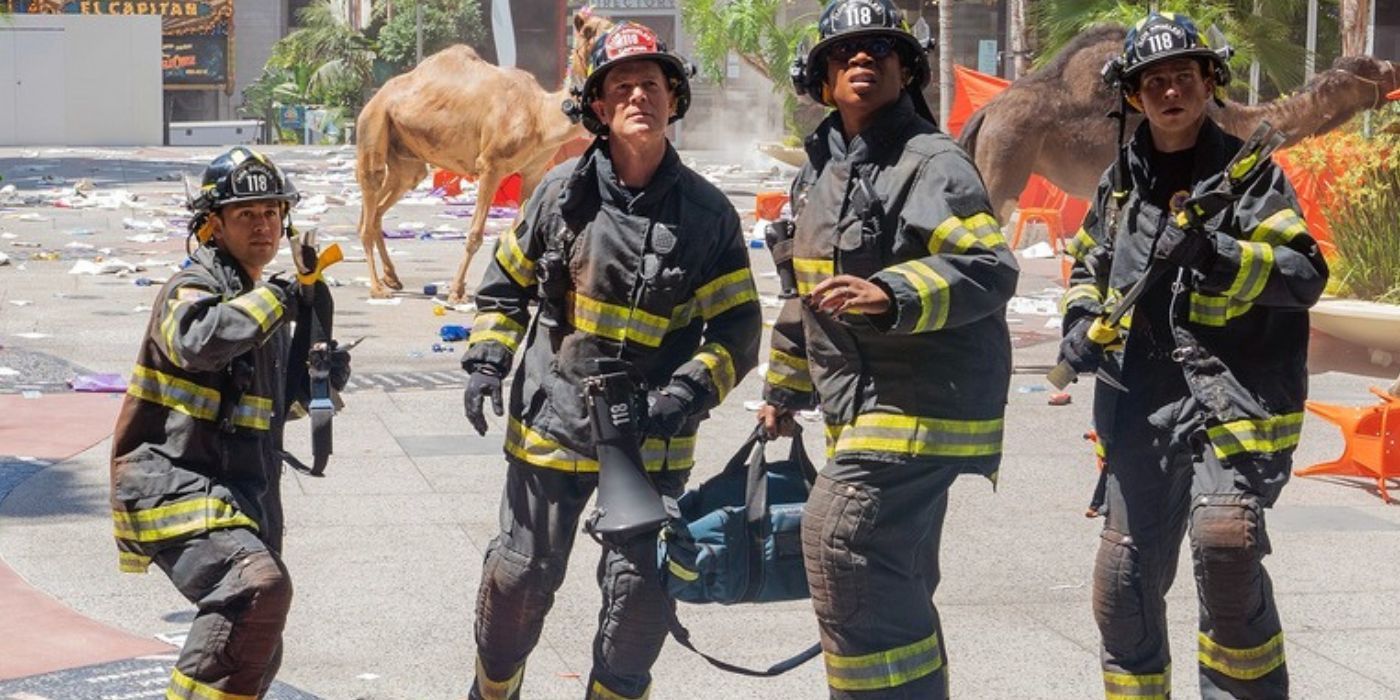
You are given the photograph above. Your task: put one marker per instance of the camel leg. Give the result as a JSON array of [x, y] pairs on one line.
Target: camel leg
[[406, 173], [486, 187], [371, 234]]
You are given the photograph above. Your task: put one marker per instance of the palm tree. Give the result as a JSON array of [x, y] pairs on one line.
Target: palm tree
[[1274, 37], [342, 57], [1356, 17]]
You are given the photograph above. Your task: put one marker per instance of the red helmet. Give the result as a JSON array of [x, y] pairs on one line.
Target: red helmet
[[627, 41]]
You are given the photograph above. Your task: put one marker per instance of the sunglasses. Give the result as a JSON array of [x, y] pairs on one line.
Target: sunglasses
[[876, 47]]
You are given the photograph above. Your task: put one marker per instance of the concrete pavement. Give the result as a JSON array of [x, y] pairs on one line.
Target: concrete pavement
[[386, 550]]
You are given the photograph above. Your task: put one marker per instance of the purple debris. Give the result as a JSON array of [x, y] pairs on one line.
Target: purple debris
[[98, 383], [400, 234]]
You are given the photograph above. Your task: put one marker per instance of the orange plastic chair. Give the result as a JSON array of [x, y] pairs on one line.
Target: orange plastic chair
[[1049, 214], [769, 205], [1371, 436]]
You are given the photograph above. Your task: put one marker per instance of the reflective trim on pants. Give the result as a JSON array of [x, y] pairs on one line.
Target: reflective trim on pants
[[1137, 686], [1243, 664], [497, 690], [884, 669]]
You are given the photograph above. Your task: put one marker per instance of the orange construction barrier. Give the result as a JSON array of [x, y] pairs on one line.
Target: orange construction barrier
[[1372, 441], [769, 205]]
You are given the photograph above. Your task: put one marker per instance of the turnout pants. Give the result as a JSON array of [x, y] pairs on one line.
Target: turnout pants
[[1165, 481], [870, 537], [525, 565], [243, 592]]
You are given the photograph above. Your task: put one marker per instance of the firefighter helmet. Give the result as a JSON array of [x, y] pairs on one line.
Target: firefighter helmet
[[627, 41], [1162, 37], [238, 175], [846, 19]]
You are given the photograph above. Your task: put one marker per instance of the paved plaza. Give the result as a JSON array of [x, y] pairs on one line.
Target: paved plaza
[[386, 550]]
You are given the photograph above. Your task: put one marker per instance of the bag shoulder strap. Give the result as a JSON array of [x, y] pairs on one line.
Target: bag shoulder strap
[[682, 636]]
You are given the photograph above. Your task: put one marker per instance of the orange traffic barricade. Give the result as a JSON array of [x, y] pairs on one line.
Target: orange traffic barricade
[[1371, 436]]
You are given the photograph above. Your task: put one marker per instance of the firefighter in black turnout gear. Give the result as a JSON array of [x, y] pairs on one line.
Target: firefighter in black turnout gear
[[633, 256], [197, 453], [900, 332], [1214, 366]]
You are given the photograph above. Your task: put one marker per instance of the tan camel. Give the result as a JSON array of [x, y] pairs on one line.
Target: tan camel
[[458, 112], [1051, 122]]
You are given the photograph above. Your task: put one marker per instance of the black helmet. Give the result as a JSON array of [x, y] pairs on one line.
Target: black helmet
[[1163, 36], [844, 19], [239, 175], [627, 41]]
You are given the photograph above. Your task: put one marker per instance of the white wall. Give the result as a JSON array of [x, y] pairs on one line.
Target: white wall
[[76, 80]]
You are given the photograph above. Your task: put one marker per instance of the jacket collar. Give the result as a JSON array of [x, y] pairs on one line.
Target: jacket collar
[[612, 191], [1212, 152], [889, 131]]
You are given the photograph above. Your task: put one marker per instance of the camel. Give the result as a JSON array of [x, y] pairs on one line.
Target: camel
[[457, 112], [1052, 121]]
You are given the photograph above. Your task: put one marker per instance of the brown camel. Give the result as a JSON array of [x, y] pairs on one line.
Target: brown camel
[[1051, 122], [460, 113]]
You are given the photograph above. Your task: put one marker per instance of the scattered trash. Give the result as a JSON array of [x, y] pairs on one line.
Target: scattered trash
[[30, 216], [143, 225], [148, 238], [367, 676], [102, 267], [4, 259], [1033, 306], [1039, 251], [439, 347], [31, 394], [754, 405], [21, 302], [98, 383], [439, 310], [453, 333], [142, 281], [1060, 399], [1381, 358], [1030, 389], [32, 335], [391, 301], [8, 372], [430, 290]]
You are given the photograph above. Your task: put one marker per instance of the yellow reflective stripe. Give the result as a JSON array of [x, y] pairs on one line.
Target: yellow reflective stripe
[[253, 412], [1256, 261], [183, 687], [1274, 434], [133, 563], [261, 305], [1243, 664], [957, 235], [884, 669], [832, 434], [170, 329], [1213, 310], [788, 371], [598, 691], [811, 272], [933, 294], [174, 393], [1080, 291], [1080, 245], [1280, 228], [512, 259], [498, 327], [921, 436], [725, 292], [1139, 686], [538, 450], [497, 690], [616, 322], [681, 572], [720, 364], [178, 519]]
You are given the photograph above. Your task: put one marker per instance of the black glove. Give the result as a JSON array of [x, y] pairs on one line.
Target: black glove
[[484, 381], [1083, 354], [1190, 249], [667, 410], [340, 368], [288, 291]]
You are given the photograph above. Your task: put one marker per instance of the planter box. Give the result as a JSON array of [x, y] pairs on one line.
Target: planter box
[[1365, 323]]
